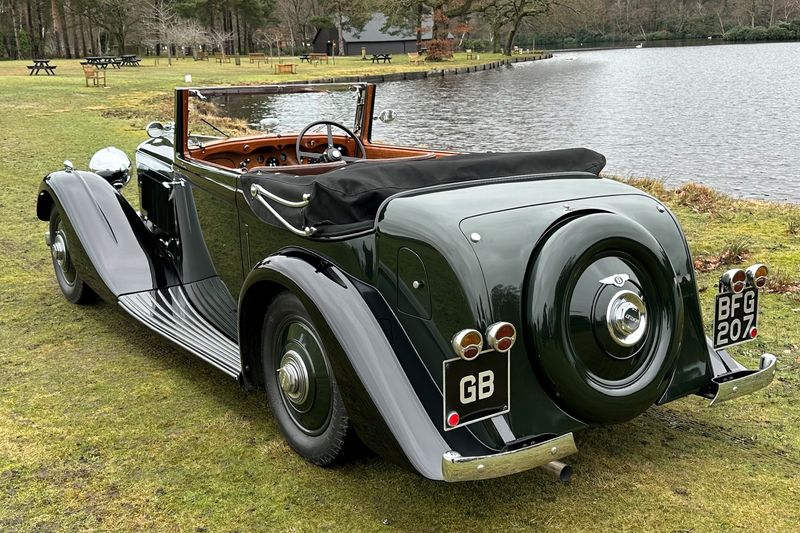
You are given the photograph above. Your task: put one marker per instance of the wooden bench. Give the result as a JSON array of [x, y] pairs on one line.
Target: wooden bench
[[255, 57], [201, 56], [96, 75], [415, 58], [285, 68], [221, 58], [317, 58]]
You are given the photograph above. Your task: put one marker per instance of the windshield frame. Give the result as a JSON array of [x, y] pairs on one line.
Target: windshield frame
[[362, 120]]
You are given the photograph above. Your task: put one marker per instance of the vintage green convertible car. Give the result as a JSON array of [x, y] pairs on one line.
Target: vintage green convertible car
[[462, 314]]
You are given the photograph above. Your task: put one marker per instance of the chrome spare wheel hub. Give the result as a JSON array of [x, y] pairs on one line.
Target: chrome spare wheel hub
[[59, 250], [293, 377], [626, 318]]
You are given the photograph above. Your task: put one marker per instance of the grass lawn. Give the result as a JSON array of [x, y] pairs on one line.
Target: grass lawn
[[105, 426]]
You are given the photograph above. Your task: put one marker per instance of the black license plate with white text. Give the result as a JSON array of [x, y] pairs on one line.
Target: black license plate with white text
[[735, 317], [475, 390]]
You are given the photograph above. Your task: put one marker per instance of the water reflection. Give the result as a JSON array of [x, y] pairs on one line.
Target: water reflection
[[293, 111], [725, 116]]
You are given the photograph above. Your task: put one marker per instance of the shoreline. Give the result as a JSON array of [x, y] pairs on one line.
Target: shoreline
[[668, 43], [432, 73]]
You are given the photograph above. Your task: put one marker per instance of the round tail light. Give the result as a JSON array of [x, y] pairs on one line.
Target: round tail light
[[501, 336], [467, 344], [757, 275], [734, 280]]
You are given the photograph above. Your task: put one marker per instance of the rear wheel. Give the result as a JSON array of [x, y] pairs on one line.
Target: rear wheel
[[69, 280], [301, 389]]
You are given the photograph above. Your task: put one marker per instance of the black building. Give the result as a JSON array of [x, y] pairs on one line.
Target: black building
[[373, 38]]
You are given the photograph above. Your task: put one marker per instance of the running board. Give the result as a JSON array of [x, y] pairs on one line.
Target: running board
[[169, 313]]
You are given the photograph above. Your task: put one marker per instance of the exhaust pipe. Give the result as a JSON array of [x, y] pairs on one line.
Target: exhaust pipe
[[561, 471]]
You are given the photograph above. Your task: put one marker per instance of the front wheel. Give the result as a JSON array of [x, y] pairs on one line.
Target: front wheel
[[301, 389], [69, 280]]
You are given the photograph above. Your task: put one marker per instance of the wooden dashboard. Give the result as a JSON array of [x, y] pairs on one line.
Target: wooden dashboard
[[279, 150]]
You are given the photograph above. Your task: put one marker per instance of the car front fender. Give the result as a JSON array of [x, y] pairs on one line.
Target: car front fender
[[109, 244]]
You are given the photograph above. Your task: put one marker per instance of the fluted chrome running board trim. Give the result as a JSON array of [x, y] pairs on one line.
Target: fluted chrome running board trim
[[169, 313]]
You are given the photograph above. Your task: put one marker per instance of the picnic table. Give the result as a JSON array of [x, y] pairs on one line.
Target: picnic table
[[129, 60], [305, 57], [39, 65], [386, 58], [103, 62]]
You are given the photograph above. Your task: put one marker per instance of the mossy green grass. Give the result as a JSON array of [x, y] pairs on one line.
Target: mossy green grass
[[105, 426]]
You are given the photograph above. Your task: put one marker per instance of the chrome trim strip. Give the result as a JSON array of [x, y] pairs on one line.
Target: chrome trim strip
[[257, 194], [739, 383], [458, 468], [256, 189]]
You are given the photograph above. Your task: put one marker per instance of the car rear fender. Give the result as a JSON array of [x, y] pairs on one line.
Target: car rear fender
[[383, 406], [109, 244]]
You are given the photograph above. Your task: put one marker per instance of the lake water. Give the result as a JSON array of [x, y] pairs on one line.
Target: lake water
[[727, 116]]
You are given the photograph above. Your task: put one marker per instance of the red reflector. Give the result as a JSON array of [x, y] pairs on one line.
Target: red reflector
[[471, 352], [753, 333], [505, 344], [453, 419]]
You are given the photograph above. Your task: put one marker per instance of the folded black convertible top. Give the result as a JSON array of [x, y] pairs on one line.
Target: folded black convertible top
[[353, 194]]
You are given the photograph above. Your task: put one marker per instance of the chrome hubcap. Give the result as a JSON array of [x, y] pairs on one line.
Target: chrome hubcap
[[59, 250], [293, 377], [626, 318]]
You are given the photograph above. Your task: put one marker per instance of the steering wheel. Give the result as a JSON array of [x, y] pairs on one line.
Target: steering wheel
[[331, 153]]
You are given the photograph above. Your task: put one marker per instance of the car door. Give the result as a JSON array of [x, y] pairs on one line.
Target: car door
[[213, 192]]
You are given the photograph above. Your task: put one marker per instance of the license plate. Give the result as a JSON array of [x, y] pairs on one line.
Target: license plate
[[735, 317], [476, 389]]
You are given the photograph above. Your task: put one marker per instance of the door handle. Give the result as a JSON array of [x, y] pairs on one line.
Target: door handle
[[171, 184]]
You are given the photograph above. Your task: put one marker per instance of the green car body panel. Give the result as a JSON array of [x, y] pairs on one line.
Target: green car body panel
[[594, 275]]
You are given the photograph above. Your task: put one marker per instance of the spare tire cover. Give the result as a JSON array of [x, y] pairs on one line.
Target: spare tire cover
[[604, 317]]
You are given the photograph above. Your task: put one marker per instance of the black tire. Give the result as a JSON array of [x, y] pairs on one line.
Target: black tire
[[316, 425], [72, 285]]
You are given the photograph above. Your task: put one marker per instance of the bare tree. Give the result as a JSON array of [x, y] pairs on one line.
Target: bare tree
[[159, 25], [190, 33], [270, 37], [220, 38]]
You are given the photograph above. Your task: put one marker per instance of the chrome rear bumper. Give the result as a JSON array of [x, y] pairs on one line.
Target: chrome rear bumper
[[742, 381], [458, 468]]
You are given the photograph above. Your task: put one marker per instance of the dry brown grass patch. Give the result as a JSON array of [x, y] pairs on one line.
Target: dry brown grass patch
[[734, 252], [782, 282], [700, 199]]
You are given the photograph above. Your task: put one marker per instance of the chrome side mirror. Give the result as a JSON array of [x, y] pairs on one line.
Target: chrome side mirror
[[387, 115], [113, 165], [154, 130]]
